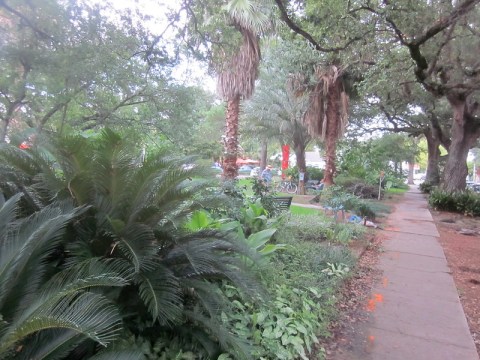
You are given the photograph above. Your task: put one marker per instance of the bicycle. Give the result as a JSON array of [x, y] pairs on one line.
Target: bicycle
[[286, 186]]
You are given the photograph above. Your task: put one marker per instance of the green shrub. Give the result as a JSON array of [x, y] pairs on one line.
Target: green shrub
[[465, 202], [333, 254], [307, 227], [301, 302], [442, 200], [426, 187], [343, 233], [314, 173], [364, 209], [286, 327]]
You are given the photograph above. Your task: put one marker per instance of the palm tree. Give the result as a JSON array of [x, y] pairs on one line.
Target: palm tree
[[276, 112], [327, 114], [237, 75], [136, 212]]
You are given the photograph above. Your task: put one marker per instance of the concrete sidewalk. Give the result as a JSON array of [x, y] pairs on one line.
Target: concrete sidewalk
[[415, 312]]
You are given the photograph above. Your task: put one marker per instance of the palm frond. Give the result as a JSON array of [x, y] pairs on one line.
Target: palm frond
[[214, 255], [119, 355], [50, 344], [88, 314], [251, 14], [227, 340], [162, 294], [23, 251], [237, 78], [137, 243], [7, 215], [91, 273]]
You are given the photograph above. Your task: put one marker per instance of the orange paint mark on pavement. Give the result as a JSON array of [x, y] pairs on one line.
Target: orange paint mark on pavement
[[372, 303], [370, 344], [385, 282], [391, 228]]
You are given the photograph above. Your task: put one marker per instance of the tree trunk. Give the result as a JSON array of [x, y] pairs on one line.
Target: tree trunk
[[3, 131], [301, 165], [331, 138], [464, 134], [433, 171], [411, 166], [230, 169], [263, 155]]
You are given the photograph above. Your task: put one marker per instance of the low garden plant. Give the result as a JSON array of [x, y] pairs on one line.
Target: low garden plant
[[465, 202]]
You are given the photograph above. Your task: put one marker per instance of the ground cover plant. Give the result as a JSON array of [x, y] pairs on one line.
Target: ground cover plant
[[301, 282]]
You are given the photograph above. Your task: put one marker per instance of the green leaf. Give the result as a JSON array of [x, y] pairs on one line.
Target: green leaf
[[271, 248], [200, 220], [257, 240]]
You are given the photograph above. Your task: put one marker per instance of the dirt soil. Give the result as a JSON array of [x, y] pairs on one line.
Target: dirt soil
[[460, 239], [463, 257]]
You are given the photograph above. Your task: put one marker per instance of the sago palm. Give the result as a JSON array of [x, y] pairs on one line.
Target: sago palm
[[45, 313], [136, 214]]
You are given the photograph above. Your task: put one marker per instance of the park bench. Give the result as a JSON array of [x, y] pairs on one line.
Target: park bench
[[282, 203]]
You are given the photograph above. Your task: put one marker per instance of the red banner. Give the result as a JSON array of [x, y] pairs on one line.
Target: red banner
[[285, 157]]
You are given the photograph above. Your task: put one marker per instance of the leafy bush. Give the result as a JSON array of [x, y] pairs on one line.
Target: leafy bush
[[347, 181], [307, 227], [426, 187], [314, 173], [442, 200], [465, 202], [285, 327], [334, 254], [300, 304], [364, 209], [343, 233]]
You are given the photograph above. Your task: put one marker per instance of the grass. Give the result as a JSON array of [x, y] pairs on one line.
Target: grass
[[300, 210], [396, 190]]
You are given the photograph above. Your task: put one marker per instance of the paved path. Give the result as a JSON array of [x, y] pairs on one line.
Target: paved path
[[415, 312]]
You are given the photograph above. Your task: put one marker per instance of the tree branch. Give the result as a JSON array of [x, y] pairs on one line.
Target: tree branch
[[284, 16], [27, 21], [443, 23]]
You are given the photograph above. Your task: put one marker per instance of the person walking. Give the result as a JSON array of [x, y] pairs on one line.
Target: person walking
[[267, 175]]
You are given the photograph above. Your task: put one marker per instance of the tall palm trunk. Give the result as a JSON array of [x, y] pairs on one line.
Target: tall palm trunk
[[327, 114], [263, 155], [299, 148], [332, 132], [230, 170]]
